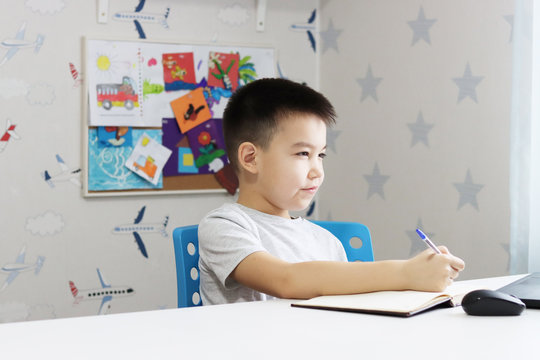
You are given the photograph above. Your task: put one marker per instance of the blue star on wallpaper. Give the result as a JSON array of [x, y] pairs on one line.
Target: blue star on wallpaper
[[467, 84], [376, 182], [369, 85], [331, 136], [329, 37], [420, 27], [420, 130], [468, 191]]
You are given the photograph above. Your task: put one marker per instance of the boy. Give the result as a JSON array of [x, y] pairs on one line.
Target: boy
[[275, 135]]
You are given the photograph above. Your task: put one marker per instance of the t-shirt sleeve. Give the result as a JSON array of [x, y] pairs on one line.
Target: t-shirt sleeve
[[225, 239]]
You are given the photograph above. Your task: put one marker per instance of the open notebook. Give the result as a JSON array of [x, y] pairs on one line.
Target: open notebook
[[398, 303]]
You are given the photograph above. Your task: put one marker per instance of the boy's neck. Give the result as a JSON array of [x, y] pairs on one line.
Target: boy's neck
[[253, 201]]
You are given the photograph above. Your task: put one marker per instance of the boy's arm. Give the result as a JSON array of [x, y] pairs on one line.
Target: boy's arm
[[268, 274]]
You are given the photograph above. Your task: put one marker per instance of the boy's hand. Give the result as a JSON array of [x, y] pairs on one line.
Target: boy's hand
[[432, 272]]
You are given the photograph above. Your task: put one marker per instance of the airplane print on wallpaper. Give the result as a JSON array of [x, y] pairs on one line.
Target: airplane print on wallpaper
[[309, 27], [77, 78], [65, 174], [106, 293], [18, 42], [138, 227], [8, 135], [139, 17], [14, 269]]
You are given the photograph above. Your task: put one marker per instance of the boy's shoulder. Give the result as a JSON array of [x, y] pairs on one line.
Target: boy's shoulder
[[225, 210], [229, 212]]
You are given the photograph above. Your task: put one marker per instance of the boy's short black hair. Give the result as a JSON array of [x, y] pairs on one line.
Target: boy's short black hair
[[254, 111]]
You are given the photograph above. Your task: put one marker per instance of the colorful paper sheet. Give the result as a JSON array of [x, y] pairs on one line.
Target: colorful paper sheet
[[223, 70], [191, 110], [178, 71], [148, 158]]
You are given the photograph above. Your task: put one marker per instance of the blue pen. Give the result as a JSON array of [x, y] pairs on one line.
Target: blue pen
[[427, 241]]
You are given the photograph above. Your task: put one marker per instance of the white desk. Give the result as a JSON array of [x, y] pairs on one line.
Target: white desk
[[275, 330]]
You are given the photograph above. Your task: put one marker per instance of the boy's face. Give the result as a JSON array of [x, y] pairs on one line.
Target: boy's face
[[290, 170]]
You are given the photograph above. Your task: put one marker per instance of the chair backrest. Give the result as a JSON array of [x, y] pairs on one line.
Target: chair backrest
[[355, 238], [186, 253]]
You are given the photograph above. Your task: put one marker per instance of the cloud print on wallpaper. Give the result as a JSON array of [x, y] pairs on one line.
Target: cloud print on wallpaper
[[49, 223], [234, 15], [11, 87], [46, 7]]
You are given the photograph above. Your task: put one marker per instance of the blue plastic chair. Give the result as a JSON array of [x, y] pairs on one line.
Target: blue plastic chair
[[186, 253], [355, 238]]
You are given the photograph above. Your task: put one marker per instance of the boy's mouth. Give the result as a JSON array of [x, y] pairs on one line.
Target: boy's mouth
[[312, 189]]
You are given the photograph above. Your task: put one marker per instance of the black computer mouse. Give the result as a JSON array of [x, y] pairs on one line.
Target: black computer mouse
[[491, 302]]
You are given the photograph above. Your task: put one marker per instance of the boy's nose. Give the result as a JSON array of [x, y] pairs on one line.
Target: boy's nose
[[316, 171]]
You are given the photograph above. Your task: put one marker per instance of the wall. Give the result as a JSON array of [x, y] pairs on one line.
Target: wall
[[423, 92], [39, 95]]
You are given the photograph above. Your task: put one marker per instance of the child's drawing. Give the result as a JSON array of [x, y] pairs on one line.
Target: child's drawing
[[223, 70], [190, 110], [148, 158], [179, 71], [122, 94], [106, 170]]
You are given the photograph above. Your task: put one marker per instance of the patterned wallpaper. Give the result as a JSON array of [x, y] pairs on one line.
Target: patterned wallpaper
[[423, 94], [422, 91], [55, 244]]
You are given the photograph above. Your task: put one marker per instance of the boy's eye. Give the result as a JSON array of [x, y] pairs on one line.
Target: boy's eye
[[303, 153], [322, 155]]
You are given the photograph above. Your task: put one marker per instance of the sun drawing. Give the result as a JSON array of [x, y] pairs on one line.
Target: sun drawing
[[103, 62], [107, 66]]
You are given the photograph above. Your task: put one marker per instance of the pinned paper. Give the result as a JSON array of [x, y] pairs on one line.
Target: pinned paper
[[178, 71], [106, 164], [148, 158], [223, 70], [191, 110]]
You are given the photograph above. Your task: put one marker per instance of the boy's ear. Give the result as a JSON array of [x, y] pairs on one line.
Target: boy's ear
[[247, 157]]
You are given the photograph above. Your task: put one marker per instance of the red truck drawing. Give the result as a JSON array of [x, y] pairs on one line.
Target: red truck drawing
[[124, 94]]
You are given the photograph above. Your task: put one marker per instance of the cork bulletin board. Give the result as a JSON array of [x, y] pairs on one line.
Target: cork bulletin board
[[153, 114]]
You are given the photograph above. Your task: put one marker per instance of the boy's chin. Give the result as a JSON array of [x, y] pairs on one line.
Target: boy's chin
[[303, 207]]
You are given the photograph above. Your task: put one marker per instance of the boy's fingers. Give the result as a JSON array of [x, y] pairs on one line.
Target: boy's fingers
[[443, 249], [457, 263]]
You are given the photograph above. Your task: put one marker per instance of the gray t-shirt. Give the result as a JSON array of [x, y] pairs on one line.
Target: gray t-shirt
[[230, 233]]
